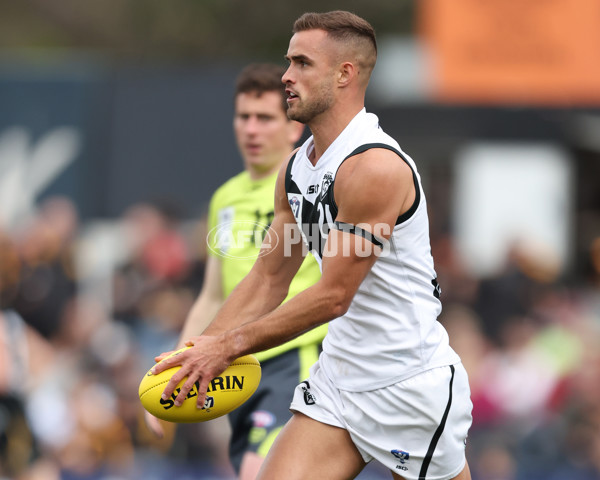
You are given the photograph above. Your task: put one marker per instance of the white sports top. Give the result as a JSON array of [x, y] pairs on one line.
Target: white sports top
[[390, 331]]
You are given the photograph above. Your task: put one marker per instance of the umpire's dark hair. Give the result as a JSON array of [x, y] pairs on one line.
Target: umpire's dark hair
[[259, 78]]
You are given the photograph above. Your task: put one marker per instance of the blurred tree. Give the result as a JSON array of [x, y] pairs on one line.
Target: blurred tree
[[178, 29]]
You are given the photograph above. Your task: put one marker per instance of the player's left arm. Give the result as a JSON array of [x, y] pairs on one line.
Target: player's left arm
[[371, 190]]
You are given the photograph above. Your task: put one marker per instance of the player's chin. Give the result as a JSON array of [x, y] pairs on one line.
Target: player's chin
[[294, 113], [291, 106]]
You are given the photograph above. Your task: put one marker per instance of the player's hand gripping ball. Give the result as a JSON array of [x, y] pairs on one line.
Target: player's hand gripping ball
[[225, 393]]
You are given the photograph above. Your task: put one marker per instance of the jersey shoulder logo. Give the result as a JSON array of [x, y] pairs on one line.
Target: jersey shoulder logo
[[327, 181]]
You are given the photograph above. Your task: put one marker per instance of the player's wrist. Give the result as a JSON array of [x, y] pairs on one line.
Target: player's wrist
[[236, 343]]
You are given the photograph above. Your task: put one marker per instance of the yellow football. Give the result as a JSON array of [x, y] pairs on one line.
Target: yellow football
[[225, 393]]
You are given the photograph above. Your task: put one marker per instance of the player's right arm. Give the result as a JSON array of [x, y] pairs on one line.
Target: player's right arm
[[259, 293], [267, 284]]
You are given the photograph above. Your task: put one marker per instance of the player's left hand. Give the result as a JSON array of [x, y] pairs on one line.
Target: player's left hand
[[206, 358]]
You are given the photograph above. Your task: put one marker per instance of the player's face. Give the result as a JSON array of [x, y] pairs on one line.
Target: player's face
[[263, 132], [310, 77]]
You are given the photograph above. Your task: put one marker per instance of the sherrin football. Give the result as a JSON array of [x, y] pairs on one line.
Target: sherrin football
[[225, 393]]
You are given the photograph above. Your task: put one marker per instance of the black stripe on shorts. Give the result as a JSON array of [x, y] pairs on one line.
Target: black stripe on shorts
[[438, 432]]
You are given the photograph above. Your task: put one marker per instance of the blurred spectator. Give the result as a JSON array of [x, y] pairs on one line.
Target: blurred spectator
[[152, 289], [25, 358], [589, 293], [10, 269], [46, 280]]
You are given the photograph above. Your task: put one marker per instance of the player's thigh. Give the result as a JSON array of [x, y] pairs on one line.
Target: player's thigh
[[308, 449]]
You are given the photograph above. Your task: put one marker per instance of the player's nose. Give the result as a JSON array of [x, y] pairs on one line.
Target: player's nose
[[286, 78]]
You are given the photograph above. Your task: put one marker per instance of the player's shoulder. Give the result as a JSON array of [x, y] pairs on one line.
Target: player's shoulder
[[376, 164], [373, 180]]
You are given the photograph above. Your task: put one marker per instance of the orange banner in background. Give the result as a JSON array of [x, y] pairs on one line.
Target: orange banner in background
[[514, 51]]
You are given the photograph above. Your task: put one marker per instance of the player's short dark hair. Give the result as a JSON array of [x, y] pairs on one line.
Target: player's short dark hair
[[259, 78], [339, 24]]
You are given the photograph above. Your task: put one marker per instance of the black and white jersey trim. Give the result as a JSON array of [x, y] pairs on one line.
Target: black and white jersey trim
[[291, 187], [367, 146]]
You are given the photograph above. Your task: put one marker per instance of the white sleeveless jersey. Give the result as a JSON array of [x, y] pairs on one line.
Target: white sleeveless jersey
[[390, 331]]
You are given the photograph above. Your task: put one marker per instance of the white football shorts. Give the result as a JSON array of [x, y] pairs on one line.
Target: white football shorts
[[417, 428]]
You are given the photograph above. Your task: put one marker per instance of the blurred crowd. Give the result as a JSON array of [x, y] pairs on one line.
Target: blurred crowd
[[82, 316], [85, 308]]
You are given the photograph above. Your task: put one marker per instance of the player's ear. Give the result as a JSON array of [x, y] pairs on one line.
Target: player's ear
[[346, 72], [295, 131]]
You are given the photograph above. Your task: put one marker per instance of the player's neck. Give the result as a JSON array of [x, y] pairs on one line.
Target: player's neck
[[327, 126]]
